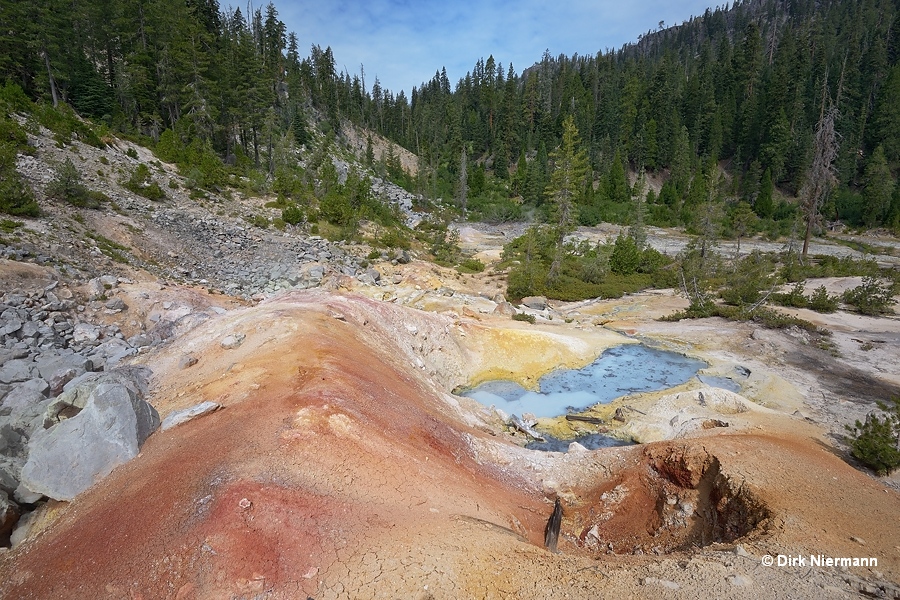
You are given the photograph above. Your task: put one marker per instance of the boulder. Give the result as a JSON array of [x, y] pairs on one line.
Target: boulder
[[183, 416], [535, 302], [73, 455], [78, 391], [230, 342], [9, 473], [505, 308], [48, 366], [187, 361], [116, 305], [17, 370], [85, 332]]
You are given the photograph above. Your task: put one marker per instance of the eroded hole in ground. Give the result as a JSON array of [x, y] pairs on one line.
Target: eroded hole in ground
[[675, 499]]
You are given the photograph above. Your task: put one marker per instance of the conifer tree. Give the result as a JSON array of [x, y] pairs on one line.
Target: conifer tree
[[567, 182]]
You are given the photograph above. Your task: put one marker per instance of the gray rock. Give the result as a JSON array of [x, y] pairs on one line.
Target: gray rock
[[535, 302], [85, 332], [59, 380], [230, 342], [10, 468], [73, 455], [95, 289], [25, 415], [23, 495], [116, 304], [23, 528], [186, 361], [48, 366], [17, 370], [183, 416], [505, 308], [78, 391]]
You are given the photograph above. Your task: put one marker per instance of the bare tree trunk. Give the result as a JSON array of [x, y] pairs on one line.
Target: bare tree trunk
[[820, 178], [53, 91]]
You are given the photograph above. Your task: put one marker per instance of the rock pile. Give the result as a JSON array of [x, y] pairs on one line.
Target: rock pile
[[53, 366], [244, 261]]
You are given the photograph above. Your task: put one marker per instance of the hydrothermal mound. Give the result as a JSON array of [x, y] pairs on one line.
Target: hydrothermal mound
[[340, 467]]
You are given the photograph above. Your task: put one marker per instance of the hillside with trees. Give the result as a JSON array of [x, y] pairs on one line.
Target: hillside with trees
[[769, 117]]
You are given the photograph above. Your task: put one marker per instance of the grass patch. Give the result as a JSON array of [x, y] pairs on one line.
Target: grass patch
[[110, 248]]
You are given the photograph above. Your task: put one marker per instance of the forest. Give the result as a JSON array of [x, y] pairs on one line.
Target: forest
[[715, 119]]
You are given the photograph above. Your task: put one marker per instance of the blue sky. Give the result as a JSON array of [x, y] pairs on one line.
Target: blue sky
[[404, 42]]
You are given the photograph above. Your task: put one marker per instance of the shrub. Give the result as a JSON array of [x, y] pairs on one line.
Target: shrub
[[67, 187], [8, 225], [752, 276], [524, 317], [395, 237], [794, 298], [471, 265], [626, 256], [15, 197], [258, 221], [877, 441], [821, 301], [141, 183], [292, 214], [871, 298]]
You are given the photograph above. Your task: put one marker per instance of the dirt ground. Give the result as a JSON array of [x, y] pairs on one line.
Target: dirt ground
[[340, 467]]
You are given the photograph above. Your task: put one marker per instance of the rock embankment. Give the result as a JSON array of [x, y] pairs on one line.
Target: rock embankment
[[69, 412]]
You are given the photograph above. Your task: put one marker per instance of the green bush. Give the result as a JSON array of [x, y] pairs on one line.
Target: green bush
[[876, 443], [395, 237], [142, 183], [8, 225], [15, 197], [752, 275], [794, 297], [823, 302], [626, 256], [64, 123], [524, 317], [292, 214], [67, 186], [471, 265], [258, 221], [871, 298]]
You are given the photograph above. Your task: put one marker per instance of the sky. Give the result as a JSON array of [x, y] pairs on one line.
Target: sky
[[403, 42]]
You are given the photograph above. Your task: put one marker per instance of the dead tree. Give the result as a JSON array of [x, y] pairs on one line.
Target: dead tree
[[820, 177]]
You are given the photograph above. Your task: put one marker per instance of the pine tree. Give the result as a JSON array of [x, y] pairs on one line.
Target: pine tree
[[567, 182], [764, 205], [878, 188]]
